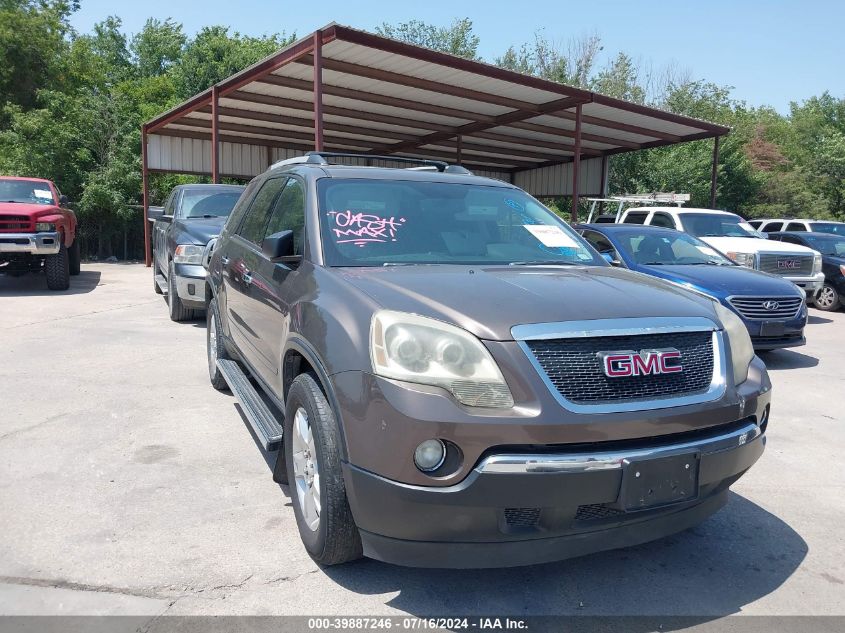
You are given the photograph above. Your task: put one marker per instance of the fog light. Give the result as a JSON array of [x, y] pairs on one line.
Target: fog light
[[430, 455]]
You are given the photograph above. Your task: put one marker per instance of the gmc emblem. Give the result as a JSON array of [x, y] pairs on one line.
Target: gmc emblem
[[789, 263], [626, 363]]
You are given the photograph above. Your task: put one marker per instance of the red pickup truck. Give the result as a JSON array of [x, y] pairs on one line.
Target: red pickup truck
[[37, 231]]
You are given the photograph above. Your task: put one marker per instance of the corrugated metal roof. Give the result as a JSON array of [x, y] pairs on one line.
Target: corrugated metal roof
[[381, 96]]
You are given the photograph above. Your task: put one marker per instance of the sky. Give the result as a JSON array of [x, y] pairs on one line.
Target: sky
[[771, 51]]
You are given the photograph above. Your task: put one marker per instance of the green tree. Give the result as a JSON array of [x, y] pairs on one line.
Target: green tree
[[32, 44], [214, 55], [456, 39], [158, 47]]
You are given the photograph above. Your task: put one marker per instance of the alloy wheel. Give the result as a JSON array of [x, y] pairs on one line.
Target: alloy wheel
[[306, 470], [826, 298]]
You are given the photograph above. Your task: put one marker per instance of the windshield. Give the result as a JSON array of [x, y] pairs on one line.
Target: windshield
[[714, 225], [837, 228], [832, 245], [25, 191], [208, 204], [651, 248], [368, 222]]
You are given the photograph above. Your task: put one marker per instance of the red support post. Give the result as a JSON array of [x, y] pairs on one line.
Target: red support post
[[714, 173], [318, 91], [576, 165], [215, 135], [145, 186]]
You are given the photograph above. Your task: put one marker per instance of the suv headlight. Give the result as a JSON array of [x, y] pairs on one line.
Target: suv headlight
[[429, 352], [742, 350], [45, 227], [743, 259], [188, 254], [817, 263]]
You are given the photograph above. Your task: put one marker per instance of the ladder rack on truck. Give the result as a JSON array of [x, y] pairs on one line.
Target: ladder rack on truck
[[638, 199]]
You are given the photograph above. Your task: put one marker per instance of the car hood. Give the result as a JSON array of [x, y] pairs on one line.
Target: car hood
[[724, 281], [197, 230], [489, 301], [22, 208], [754, 245]]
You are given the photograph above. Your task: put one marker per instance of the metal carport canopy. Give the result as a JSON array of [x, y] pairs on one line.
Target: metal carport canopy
[[341, 89]]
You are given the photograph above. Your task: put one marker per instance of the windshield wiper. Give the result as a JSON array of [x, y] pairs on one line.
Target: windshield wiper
[[542, 262]]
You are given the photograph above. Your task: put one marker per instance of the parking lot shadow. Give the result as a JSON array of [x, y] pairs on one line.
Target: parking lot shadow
[[788, 359], [36, 285], [815, 319], [734, 558]]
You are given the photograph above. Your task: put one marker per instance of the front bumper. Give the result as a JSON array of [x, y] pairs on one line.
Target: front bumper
[[189, 281], [523, 509], [810, 285], [769, 335], [31, 243]]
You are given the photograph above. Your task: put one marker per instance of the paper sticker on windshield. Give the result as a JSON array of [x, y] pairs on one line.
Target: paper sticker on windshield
[[43, 194], [708, 251], [551, 236], [350, 227]]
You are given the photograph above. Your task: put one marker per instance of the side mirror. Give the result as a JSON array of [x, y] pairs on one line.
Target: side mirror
[[155, 213], [279, 247], [63, 201]]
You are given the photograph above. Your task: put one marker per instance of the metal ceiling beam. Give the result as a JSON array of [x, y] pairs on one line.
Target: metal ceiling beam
[[438, 87], [479, 126]]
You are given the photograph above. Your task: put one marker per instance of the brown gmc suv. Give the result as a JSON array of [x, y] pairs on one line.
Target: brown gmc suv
[[455, 378]]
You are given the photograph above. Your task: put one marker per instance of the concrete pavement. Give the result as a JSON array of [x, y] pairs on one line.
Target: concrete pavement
[[128, 485]]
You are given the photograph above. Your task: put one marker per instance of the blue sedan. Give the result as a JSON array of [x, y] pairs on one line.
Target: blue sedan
[[773, 309]]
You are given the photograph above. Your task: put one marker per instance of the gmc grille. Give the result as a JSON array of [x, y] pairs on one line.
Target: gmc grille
[[786, 265], [760, 308], [574, 368], [15, 224]]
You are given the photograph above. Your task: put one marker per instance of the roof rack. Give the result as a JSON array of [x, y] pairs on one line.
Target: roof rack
[[321, 158], [638, 198]]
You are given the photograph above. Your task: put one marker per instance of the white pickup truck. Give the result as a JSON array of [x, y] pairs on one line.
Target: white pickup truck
[[733, 236]]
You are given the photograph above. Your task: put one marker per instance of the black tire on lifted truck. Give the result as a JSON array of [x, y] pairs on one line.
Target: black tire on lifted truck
[[75, 257], [57, 269]]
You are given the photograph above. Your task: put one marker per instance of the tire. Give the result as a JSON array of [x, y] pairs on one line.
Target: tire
[[156, 288], [828, 299], [214, 346], [57, 269], [178, 312], [332, 537], [74, 258]]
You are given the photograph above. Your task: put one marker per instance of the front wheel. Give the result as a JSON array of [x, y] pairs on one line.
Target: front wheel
[[74, 255], [57, 269], [312, 455], [178, 311], [215, 348], [828, 299]]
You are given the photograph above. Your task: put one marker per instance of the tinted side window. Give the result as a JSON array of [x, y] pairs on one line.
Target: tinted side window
[[241, 206], [663, 219], [796, 226], [755, 223], [636, 218], [772, 227], [258, 215], [170, 203], [289, 214]]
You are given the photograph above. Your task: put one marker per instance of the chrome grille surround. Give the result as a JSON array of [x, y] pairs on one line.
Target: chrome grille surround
[[754, 307], [609, 328], [768, 263]]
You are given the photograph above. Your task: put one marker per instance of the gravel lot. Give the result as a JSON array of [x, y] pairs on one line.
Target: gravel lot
[[128, 485]]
